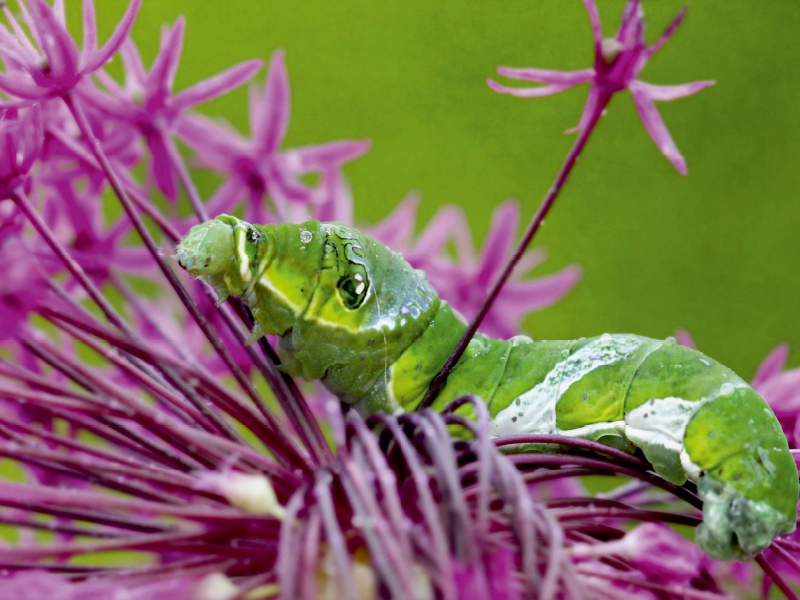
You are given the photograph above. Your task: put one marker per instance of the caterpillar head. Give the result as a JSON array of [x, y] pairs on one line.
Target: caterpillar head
[[208, 249]]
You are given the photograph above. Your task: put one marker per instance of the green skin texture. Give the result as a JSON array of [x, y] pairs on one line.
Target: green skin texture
[[350, 312]]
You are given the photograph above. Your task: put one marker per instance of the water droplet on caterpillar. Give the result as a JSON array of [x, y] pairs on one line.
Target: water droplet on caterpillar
[[306, 236]]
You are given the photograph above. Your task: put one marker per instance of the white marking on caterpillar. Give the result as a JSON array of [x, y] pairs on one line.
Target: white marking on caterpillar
[[241, 251], [665, 426], [536, 411], [587, 431]]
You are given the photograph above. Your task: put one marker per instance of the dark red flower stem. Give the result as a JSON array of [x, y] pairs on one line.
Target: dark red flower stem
[[439, 381]]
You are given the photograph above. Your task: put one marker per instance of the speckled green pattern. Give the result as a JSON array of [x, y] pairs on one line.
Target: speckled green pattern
[[355, 315]]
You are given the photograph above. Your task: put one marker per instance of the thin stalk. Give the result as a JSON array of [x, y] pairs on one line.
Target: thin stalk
[[439, 381], [293, 453]]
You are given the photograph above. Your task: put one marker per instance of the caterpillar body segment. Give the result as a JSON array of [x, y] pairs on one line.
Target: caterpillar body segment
[[354, 314]]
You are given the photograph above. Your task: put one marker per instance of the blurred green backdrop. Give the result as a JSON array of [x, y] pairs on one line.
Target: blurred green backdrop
[[716, 252]]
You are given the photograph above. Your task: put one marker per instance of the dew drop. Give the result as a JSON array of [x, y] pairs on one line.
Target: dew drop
[[306, 236], [726, 389]]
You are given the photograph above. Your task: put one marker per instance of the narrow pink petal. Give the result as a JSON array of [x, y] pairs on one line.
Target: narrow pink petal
[[217, 85], [161, 165], [547, 75], [21, 36], [771, 365], [134, 69], [22, 86], [58, 46], [158, 85], [546, 90], [655, 126], [58, 11], [224, 199], [98, 58], [502, 233], [588, 110], [396, 229], [327, 156], [542, 291], [285, 188], [449, 221], [668, 33], [89, 28], [214, 141], [665, 93], [597, 29], [631, 29], [275, 106], [109, 83], [685, 338]]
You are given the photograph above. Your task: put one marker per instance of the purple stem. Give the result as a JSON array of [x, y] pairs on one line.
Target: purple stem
[[439, 381], [72, 266]]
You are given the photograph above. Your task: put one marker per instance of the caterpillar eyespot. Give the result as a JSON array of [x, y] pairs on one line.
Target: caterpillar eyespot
[[329, 292]]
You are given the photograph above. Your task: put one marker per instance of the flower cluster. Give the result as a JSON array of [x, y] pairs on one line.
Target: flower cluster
[[135, 419]]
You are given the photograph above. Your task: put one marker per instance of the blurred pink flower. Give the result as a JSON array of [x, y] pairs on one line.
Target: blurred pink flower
[[257, 168], [21, 142], [148, 103], [33, 75], [617, 64], [464, 282]]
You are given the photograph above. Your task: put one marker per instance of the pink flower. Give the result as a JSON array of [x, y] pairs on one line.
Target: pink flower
[[33, 75], [20, 145], [257, 167], [148, 103], [617, 64], [463, 283]]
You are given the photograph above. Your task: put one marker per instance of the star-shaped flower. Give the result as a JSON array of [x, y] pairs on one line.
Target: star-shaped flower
[[257, 167], [33, 75], [617, 64]]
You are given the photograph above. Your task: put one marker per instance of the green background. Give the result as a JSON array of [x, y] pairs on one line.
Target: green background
[[715, 252]]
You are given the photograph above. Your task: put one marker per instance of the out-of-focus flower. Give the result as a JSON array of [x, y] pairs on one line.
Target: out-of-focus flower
[[654, 550], [617, 64], [147, 101], [58, 66], [464, 282], [258, 169], [21, 142]]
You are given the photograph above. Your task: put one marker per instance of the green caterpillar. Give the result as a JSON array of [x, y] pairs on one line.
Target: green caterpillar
[[350, 312]]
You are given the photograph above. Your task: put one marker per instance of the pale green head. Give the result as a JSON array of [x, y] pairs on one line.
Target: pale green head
[[208, 249]]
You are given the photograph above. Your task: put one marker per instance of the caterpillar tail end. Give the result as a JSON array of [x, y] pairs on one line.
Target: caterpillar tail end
[[734, 527]]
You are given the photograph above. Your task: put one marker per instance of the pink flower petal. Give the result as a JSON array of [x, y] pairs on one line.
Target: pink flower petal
[[597, 29], [654, 125], [668, 33], [502, 233], [397, 228], [217, 85], [134, 69], [548, 75], [95, 59], [162, 74], [546, 90], [89, 27], [274, 111], [161, 165], [685, 338], [327, 156], [57, 44], [771, 366], [588, 110], [665, 93]]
